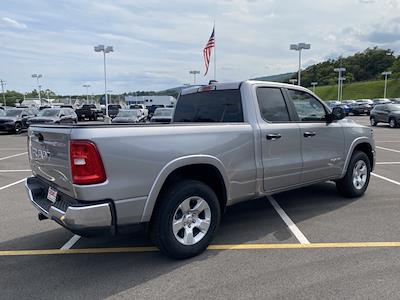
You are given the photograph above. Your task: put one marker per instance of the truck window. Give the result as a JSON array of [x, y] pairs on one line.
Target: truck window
[[308, 108], [272, 105], [212, 106]]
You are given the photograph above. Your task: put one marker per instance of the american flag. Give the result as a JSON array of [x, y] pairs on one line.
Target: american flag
[[207, 50]]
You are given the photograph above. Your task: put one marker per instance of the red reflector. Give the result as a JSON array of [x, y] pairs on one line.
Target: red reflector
[[207, 88], [86, 164]]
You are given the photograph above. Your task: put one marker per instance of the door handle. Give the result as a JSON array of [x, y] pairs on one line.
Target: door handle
[[273, 136], [309, 134]]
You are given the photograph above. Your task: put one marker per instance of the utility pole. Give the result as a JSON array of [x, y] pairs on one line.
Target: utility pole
[[37, 76], [3, 83]]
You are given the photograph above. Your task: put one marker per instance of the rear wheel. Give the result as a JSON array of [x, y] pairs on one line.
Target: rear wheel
[[392, 123], [373, 121], [356, 180], [186, 219]]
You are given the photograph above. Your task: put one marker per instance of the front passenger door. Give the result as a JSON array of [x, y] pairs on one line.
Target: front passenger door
[[322, 143]]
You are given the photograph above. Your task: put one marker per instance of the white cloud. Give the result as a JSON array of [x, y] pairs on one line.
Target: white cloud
[[12, 23]]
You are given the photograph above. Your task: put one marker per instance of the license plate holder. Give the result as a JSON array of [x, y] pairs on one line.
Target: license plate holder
[[52, 195]]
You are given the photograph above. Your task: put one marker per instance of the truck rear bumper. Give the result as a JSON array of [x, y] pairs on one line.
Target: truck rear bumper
[[77, 216]]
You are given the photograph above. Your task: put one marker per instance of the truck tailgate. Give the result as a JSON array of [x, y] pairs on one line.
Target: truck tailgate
[[49, 156]]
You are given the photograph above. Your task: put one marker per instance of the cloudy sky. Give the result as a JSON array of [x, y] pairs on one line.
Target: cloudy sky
[[157, 42]]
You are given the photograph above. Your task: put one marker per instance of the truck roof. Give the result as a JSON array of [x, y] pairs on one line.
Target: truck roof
[[236, 85]]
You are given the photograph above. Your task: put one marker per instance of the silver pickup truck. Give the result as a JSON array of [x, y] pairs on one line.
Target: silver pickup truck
[[228, 142]]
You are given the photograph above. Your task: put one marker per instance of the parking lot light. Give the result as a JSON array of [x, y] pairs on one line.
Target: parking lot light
[[313, 85], [293, 81], [299, 47], [386, 74], [194, 72], [87, 86], [105, 50], [340, 72], [38, 76], [3, 83]]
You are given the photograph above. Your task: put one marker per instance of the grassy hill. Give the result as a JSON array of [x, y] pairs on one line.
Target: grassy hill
[[359, 90]]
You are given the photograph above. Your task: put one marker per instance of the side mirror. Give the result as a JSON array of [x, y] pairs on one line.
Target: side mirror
[[61, 116], [337, 114]]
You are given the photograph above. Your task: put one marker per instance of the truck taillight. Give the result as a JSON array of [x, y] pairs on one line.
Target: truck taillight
[[86, 164]]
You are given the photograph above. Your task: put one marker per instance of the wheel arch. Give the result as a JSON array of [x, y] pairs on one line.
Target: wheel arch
[[205, 168], [361, 144]]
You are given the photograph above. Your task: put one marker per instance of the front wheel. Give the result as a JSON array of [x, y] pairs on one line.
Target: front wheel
[[356, 180], [185, 221], [18, 128], [392, 123]]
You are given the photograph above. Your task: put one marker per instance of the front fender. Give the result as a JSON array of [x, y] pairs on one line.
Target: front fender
[[353, 145], [174, 165]]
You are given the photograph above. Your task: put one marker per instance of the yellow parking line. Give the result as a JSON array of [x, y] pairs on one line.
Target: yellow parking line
[[211, 247]]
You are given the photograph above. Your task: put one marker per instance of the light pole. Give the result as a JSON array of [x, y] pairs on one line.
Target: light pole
[[340, 71], [299, 47], [87, 86], [293, 81], [37, 76], [109, 92], [313, 86], [386, 74], [342, 79], [105, 50], [3, 83], [194, 72]]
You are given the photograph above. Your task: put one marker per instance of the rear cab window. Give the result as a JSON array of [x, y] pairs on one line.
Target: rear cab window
[[214, 106]]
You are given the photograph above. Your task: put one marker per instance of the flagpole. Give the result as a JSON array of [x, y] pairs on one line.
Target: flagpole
[[215, 55]]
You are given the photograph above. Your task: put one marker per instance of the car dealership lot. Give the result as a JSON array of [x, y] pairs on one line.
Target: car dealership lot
[[334, 248]]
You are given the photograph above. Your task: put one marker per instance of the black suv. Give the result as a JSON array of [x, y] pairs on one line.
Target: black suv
[[15, 119], [385, 113]]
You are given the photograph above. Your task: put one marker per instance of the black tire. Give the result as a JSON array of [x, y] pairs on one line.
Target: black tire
[[161, 225], [17, 128], [368, 113], [392, 123], [373, 121], [345, 186]]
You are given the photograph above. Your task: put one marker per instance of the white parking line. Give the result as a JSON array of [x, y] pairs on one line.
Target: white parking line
[[11, 171], [12, 149], [11, 184], [71, 242], [385, 178], [7, 157], [388, 149], [388, 163], [293, 228]]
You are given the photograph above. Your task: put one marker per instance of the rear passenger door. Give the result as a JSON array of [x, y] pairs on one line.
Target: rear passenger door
[[322, 142], [280, 141]]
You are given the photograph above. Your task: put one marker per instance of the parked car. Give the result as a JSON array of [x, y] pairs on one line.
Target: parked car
[[345, 107], [15, 120], [361, 106], [395, 100], [385, 113], [6, 107], [142, 108], [129, 116], [228, 142], [162, 115], [113, 110], [54, 116], [89, 111], [380, 101]]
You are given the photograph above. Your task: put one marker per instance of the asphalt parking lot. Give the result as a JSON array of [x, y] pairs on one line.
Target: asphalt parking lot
[[308, 243]]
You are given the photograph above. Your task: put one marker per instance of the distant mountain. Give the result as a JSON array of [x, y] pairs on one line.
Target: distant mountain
[[278, 78]]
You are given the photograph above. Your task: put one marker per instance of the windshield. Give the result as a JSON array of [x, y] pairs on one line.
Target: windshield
[[129, 113], [13, 113], [163, 112], [49, 113]]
